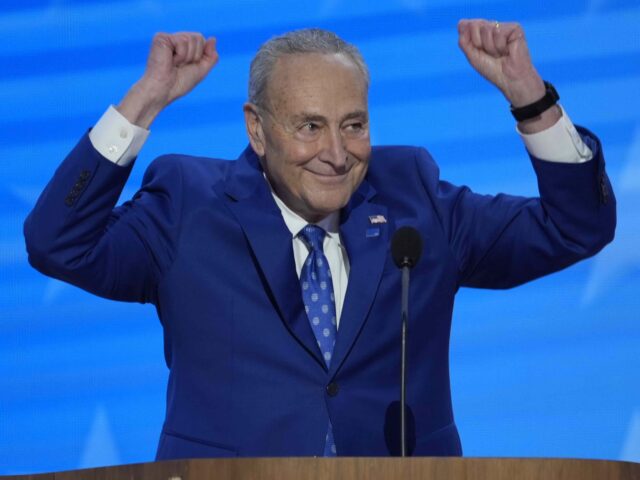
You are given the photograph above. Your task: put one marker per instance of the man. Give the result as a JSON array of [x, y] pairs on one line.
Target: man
[[272, 275]]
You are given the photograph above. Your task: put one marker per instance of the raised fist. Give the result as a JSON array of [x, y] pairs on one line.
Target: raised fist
[[176, 64], [499, 52]]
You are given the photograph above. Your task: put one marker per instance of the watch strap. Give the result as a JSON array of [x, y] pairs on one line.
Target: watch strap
[[534, 109]]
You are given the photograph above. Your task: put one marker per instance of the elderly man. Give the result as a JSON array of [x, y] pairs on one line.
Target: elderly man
[[272, 275]]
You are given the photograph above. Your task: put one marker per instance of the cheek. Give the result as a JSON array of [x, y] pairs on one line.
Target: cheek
[[362, 152], [286, 173], [283, 160], [360, 147], [300, 153]]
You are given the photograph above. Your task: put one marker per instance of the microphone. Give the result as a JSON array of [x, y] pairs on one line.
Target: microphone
[[406, 248]]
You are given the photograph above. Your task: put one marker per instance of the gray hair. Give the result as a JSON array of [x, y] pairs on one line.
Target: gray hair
[[307, 40]]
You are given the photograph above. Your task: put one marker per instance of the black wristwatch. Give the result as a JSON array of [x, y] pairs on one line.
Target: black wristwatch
[[534, 109]]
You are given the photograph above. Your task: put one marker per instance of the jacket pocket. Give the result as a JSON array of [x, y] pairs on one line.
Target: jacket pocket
[[174, 445], [444, 442]]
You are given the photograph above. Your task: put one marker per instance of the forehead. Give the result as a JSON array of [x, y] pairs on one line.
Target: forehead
[[321, 83]]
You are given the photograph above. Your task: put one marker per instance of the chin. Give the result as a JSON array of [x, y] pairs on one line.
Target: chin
[[327, 200], [325, 209]]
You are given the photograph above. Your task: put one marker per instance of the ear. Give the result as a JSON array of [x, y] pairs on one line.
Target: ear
[[254, 128]]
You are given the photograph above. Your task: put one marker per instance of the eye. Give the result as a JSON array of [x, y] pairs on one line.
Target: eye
[[310, 127], [309, 131], [355, 128]]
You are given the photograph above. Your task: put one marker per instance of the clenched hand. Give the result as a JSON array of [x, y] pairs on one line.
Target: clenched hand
[[176, 64], [499, 52]]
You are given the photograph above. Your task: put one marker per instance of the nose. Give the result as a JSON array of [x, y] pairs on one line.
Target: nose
[[334, 149]]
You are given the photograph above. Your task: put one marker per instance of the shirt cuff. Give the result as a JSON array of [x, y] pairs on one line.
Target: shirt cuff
[[117, 139], [560, 143]]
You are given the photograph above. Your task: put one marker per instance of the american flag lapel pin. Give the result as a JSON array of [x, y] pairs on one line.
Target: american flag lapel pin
[[377, 219]]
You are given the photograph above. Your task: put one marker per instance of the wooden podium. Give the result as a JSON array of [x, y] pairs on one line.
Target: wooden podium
[[366, 468]]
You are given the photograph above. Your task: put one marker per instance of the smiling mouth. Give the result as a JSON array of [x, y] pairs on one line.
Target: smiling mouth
[[329, 178], [332, 174]]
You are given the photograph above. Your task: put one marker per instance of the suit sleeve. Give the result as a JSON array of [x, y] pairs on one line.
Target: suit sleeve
[[502, 241], [75, 234]]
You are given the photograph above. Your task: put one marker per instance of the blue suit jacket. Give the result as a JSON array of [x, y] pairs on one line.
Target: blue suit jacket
[[205, 243]]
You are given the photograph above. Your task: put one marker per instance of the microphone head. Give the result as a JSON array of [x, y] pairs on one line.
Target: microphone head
[[406, 247]]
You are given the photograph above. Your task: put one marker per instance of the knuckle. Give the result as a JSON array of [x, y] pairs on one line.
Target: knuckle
[[160, 38]]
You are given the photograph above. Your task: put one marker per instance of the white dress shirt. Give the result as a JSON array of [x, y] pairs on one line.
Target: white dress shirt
[[332, 246], [119, 141]]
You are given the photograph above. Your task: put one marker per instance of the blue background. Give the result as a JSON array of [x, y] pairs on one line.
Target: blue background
[[548, 369]]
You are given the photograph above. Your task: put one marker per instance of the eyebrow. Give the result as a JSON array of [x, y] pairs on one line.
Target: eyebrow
[[357, 114], [314, 117], [309, 117]]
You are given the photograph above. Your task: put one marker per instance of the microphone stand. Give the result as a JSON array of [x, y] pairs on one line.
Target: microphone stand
[[403, 356], [406, 247]]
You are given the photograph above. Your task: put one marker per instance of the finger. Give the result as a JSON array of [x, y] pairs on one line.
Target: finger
[[194, 39], [500, 35], [464, 37], [161, 40], [199, 48], [486, 33], [210, 52], [181, 49], [162, 49], [463, 26], [516, 44], [514, 32], [191, 48], [209, 55], [464, 32], [476, 37]]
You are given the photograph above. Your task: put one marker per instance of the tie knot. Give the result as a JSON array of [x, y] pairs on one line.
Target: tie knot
[[313, 235]]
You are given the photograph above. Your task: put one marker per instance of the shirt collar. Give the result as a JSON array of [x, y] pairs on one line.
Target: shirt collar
[[295, 222]]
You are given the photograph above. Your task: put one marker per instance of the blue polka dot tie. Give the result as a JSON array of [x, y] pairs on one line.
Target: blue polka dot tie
[[319, 303]]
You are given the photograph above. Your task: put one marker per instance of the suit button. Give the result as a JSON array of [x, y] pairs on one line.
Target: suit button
[[332, 389]]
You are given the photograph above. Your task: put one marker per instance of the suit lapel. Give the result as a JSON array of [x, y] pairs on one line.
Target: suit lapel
[[250, 200], [366, 245]]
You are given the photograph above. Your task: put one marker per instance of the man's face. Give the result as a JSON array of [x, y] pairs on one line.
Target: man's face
[[313, 134]]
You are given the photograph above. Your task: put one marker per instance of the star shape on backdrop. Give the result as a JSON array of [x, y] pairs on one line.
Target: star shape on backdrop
[[100, 446], [631, 447]]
